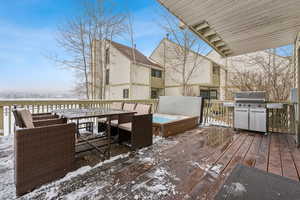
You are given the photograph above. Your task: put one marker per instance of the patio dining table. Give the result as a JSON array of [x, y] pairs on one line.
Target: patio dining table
[[87, 113]]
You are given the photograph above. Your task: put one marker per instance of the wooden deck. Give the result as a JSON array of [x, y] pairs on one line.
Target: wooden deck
[[203, 158], [196, 164], [220, 150]]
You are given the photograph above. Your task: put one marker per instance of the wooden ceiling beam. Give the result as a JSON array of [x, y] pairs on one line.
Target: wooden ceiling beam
[[199, 27]]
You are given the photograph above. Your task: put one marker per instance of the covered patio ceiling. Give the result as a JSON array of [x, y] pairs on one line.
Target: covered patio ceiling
[[235, 27]]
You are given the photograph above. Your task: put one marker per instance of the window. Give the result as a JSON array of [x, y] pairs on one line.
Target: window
[[209, 94], [107, 77], [156, 73], [107, 56], [154, 93], [213, 94], [125, 93], [216, 70]]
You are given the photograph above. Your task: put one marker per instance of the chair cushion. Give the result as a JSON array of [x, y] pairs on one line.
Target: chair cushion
[[113, 122], [26, 118], [143, 109], [128, 106], [117, 105], [18, 119], [126, 126]]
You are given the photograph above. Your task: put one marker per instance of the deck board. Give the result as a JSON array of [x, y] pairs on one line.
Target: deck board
[[262, 159], [288, 168], [275, 165], [250, 158]]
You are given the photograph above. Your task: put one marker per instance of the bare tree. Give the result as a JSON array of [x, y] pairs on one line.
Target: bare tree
[[264, 71], [182, 58], [98, 24]]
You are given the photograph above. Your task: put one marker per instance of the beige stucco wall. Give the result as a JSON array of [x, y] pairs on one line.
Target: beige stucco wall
[[119, 68], [140, 92], [201, 74], [173, 91], [140, 74], [116, 92], [119, 71]]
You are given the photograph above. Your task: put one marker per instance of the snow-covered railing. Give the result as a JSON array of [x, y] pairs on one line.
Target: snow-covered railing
[[40, 106]]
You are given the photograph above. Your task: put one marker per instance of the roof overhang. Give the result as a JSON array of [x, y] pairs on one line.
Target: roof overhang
[[235, 27]]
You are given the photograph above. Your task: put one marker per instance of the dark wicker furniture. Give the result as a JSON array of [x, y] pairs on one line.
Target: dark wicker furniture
[[136, 130], [43, 153]]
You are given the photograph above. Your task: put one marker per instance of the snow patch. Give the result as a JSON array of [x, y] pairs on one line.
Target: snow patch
[[159, 184], [112, 159], [147, 160], [237, 189]]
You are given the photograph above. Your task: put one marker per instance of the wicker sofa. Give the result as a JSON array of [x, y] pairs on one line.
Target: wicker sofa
[[43, 153]]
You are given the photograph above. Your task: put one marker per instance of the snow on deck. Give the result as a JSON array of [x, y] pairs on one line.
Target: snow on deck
[[90, 182]]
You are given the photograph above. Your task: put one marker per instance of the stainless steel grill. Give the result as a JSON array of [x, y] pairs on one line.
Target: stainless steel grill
[[250, 111]]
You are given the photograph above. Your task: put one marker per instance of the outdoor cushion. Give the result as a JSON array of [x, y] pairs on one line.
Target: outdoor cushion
[[18, 119], [128, 106], [142, 109], [117, 105], [126, 126], [26, 118]]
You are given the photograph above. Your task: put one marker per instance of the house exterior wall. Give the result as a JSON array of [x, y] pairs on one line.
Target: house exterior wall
[[140, 81], [119, 73], [140, 92], [116, 92], [119, 67], [123, 74], [140, 74], [202, 76]]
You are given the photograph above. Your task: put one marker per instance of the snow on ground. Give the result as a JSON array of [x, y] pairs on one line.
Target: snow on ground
[[237, 189], [7, 189], [213, 170], [213, 122], [89, 182]]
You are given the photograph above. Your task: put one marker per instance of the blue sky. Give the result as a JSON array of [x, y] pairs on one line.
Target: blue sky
[[28, 29]]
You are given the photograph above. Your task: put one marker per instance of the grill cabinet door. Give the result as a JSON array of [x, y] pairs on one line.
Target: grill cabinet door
[[258, 119], [241, 118]]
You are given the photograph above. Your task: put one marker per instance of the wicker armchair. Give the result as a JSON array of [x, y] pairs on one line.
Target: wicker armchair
[[43, 153], [136, 130]]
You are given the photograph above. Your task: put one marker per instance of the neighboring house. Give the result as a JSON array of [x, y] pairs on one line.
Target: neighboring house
[[207, 79], [252, 62], [128, 74]]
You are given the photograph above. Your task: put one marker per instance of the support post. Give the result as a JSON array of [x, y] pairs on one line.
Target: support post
[[1, 120], [297, 67]]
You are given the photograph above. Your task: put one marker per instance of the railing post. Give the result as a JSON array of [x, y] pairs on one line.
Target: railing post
[[1, 120]]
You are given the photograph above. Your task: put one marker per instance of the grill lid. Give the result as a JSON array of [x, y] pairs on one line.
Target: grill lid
[[250, 96]]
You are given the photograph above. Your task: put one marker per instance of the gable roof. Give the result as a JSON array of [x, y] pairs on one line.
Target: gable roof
[[139, 57]]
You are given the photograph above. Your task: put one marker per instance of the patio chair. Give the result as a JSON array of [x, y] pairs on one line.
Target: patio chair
[[102, 122], [143, 108], [136, 131], [129, 106], [44, 116], [44, 151], [41, 118]]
